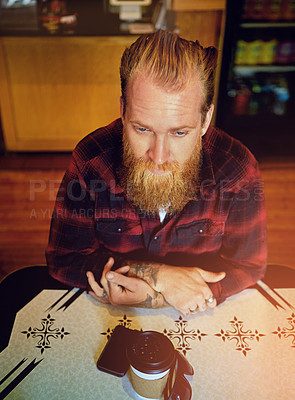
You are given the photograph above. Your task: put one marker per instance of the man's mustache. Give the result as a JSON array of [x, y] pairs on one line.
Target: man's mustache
[[150, 165]]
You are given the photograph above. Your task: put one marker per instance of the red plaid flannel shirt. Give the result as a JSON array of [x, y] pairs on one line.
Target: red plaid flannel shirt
[[224, 229]]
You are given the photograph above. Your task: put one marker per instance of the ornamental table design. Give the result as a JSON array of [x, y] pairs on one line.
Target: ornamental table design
[[183, 335], [45, 333], [240, 335], [287, 332], [124, 321]]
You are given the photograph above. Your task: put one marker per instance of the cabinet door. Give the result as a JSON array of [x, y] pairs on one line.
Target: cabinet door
[[55, 90]]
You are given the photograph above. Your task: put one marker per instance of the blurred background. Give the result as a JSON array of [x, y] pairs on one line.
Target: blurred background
[[59, 80]]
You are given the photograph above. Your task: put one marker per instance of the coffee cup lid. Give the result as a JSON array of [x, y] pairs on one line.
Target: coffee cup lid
[[151, 352]]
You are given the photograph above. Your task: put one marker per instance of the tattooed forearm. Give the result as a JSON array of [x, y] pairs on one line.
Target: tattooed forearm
[[147, 272], [155, 301]]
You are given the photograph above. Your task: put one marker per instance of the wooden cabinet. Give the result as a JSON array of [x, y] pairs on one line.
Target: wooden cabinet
[[198, 5], [55, 90]]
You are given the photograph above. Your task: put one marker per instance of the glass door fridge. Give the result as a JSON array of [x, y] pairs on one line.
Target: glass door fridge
[[256, 101]]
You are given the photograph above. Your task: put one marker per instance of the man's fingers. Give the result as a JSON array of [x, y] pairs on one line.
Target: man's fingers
[[210, 303], [202, 304], [120, 280], [97, 292], [212, 277], [109, 264], [107, 268], [123, 270], [207, 302], [93, 284], [104, 300]]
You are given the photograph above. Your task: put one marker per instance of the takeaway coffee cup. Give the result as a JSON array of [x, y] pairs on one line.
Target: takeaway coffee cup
[[150, 356]]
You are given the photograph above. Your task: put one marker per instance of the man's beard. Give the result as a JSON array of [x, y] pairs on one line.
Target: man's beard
[[151, 192]]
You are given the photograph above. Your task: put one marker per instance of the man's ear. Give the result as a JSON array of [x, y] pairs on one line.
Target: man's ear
[[122, 109], [207, 119]]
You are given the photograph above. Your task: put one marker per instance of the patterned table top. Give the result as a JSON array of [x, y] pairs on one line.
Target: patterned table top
[[243, 349]]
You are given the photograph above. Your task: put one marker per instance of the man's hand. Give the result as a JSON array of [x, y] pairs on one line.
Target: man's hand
[[119, 289], [98, 292], [184, 288]]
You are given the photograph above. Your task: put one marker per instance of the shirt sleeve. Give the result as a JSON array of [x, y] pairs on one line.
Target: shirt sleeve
[[243, 255], [73, 247]]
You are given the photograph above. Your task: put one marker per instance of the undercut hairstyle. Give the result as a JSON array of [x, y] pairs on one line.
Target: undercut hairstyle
[[172, 62]]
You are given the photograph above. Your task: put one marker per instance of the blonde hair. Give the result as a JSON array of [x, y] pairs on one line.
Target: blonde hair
[[172, 62]]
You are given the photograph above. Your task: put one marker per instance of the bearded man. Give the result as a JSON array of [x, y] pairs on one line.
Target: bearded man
[[160, 208]]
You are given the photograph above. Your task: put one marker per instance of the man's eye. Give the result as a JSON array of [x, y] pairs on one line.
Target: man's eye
[[142, 130], [180, 133]]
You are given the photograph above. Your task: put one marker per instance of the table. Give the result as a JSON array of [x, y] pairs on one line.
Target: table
[[243, 349]]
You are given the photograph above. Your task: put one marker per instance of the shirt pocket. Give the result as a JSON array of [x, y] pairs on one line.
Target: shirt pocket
[[203, 235], [119, 234]]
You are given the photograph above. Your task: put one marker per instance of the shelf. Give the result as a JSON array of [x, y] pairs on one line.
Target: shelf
[[267, 25], [251, 69]]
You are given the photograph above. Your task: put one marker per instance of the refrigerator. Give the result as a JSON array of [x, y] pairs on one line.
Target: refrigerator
[[256, 96]]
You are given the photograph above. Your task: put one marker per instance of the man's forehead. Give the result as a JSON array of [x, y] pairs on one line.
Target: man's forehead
[[142, 77], [144, 92]]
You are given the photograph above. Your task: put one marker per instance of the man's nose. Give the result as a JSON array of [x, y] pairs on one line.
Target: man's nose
[[159, 150]]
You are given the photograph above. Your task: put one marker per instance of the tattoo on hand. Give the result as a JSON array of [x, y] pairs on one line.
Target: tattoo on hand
[[155, 301], [146, 272]]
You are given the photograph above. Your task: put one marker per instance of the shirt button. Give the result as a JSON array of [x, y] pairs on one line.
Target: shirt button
[[156, 237], [119, 230]]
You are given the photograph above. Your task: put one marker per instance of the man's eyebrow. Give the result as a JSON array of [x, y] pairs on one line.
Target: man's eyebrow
[[182, 128], [140, 124], [178, 128]]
